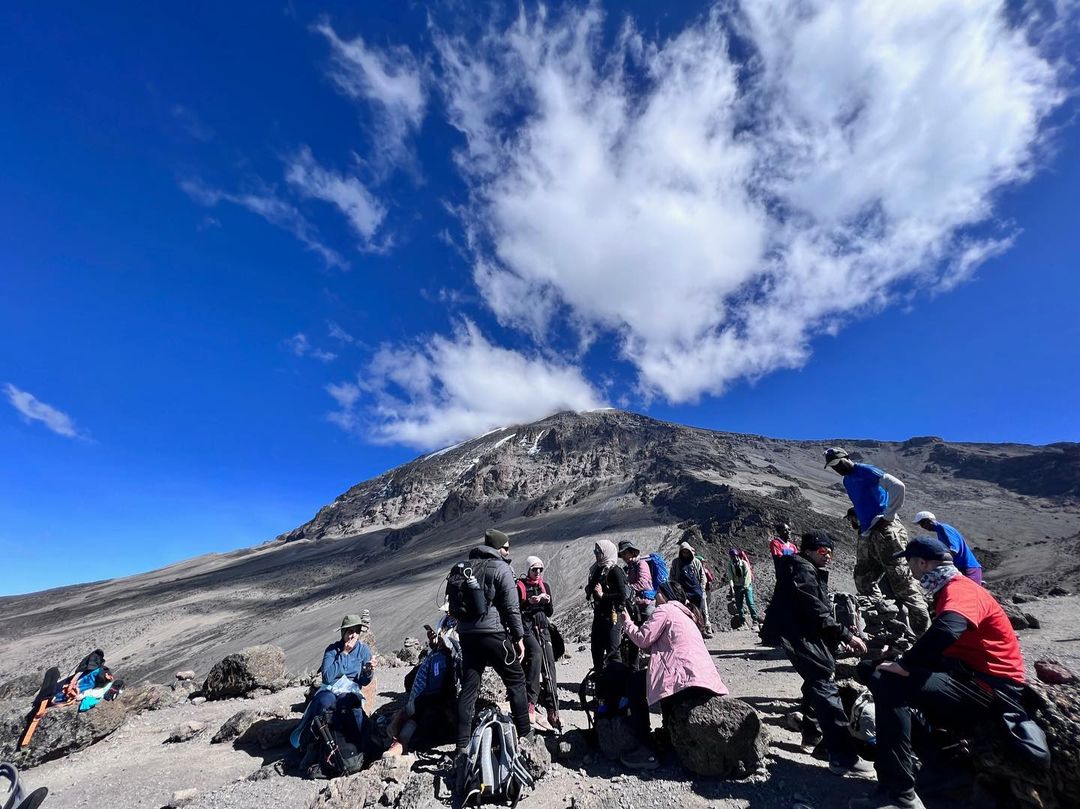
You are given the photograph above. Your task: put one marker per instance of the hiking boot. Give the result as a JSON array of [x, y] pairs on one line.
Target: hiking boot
[[883, 800], [858, 769], [811, 738], [640, 758]]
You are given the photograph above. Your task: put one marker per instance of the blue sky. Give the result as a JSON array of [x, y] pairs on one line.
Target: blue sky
[[256, 254]]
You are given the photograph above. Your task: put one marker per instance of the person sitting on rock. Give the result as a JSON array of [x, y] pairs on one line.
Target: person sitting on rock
[[967, 661], [534, 597], [432, 702], [608, 591], [347, 666], [810, 634], [963, 556], [741, 581], [678, 658]]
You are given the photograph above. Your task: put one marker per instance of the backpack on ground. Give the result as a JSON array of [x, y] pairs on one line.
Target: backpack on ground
[[490, 770], [658, 568], [465, 594], [337, 755]]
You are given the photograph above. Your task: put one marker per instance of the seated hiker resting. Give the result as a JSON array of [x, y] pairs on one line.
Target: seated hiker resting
[[679, 661], [347, 666], [965, 667], [431, 706]]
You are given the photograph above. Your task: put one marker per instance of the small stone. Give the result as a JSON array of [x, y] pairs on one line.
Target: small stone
[[187, 674], [1054, 673], [1058, 591], [1022, 598], [183, 797], [185, 732], [198, 700]]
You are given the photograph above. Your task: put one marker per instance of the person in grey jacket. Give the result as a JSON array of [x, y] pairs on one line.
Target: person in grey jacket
[[494, 639]]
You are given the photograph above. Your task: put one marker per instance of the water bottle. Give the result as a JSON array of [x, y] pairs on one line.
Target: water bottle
[[475, 600]]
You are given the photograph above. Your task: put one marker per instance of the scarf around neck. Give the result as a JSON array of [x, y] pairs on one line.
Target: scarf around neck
[[938, 578]]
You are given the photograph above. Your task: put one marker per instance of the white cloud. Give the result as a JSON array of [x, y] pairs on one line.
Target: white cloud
[[450, 388], [338, 333], [715, 214], [301, 346], [364, 212], [390, 80], [33, 409], [273, 209]]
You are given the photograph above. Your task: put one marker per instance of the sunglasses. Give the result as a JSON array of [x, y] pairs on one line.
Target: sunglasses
[[505, 548], [537, 569]]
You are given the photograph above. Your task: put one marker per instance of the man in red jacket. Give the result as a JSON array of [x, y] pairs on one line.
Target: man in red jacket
[[952, 675]]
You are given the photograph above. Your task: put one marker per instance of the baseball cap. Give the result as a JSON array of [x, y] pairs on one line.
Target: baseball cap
[[930, 548], [815, 540], [924, 515], [832, 455]]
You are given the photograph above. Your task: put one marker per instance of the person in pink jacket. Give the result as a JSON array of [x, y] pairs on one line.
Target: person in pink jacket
[[678, 659]]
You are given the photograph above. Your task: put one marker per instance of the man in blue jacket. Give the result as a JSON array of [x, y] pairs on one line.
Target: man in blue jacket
[[962, 555], [877, 498]]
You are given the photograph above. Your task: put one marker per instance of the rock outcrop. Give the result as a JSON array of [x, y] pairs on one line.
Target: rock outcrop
[[718, 736], [246, 671], [63, 730]]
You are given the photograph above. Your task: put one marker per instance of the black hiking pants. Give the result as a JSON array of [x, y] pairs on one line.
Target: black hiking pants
[[604, 640], [944, 701], [477, 653], [821, 697], [537, 655]]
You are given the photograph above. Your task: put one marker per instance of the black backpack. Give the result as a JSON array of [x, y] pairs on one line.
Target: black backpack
[[337, 755], [465, 594]]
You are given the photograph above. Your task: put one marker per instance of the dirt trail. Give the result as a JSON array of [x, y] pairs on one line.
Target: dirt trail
[[135, 768]]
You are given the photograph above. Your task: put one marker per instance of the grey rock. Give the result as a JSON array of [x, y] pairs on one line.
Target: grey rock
[[616, 737], [185, 731], [243, 672], [535, 755], [187, 674], [182, 797], [151, 697], [62, 731], [718, 736], [20, 686], [238, 724], [266, 734]]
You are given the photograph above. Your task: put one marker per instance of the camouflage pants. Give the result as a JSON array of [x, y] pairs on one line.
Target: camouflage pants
[[873, 559]]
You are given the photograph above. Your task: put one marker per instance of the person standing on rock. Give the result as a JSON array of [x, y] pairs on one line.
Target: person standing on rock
[[962, 555], [688, 571], [877, 498], [493, 639], [809, 636], [639, 577], [534, 601], [608, 591], [968, 660], [741, 581]]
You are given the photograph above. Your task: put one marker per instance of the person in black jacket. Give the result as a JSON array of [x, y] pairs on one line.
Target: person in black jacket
[[609, 592], [809, 635], [494, 639], [534, 598]]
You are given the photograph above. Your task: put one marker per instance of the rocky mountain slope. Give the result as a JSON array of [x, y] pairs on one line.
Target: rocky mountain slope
[[555, 486]]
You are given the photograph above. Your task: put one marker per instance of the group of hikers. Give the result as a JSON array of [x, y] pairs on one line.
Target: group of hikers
[[650, 620]]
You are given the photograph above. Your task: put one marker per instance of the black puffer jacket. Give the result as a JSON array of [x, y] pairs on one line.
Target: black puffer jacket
[[801, 608], [503, 614]]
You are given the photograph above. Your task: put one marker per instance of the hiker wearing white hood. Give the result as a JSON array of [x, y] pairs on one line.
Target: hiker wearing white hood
[[609, 592]]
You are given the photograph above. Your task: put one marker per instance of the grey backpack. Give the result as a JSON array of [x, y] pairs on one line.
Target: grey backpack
[[490, 770]]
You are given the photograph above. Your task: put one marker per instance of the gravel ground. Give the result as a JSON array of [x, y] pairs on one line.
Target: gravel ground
[[134, 768]]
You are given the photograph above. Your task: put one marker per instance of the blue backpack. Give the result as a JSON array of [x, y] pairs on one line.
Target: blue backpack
[[659, 570]]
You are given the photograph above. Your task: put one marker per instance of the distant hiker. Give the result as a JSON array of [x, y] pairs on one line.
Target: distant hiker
[[962, 555], [781, 544], [431, 706], [608, 591], [335, 716], [678, 659], [877, 497], [491, 637], [534, 601], [965, 667], [688, 571], [639, 577], [741, 581], [809, 636]]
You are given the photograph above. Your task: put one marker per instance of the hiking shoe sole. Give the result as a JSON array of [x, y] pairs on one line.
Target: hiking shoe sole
[[860, 769]]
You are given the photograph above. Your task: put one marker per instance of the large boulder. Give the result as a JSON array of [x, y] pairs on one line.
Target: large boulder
[[20, 686], [387, 782], [246, 671], [718, 736], [151, 697], [238, 724], [63, 730], [1056, 708], [267, 734], [615, 736]]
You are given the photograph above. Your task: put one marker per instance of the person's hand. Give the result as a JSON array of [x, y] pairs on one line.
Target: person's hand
[[858, 644], [624, 616], [350, 643], [534, 599], [520, 650], [598, 591], [544, 598], [893, 667]]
